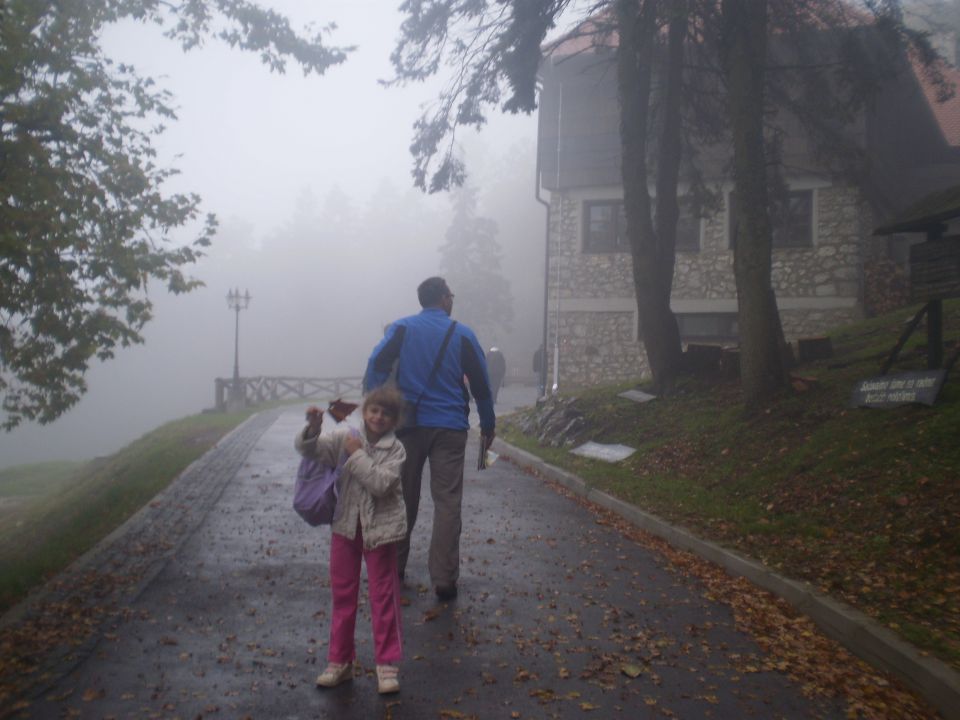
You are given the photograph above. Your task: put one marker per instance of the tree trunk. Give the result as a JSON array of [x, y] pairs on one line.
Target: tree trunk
[[670, 150], [653, 256], [762, 370]]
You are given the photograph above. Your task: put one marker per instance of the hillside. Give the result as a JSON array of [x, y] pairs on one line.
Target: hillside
[[862, 503], [51, 513]]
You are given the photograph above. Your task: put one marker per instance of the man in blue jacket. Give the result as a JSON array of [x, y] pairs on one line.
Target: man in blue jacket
[[438, 407]]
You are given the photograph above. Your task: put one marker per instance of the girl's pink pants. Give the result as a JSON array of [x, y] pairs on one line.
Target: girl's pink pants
[[384, 588]]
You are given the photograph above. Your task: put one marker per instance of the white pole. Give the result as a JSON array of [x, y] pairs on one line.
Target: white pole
[[556, 339]]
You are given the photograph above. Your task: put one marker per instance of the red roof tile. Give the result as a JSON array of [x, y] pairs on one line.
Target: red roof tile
[[594, 33]]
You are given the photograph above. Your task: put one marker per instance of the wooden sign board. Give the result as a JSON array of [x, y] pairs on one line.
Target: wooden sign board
[[935, 269], [900, 389]]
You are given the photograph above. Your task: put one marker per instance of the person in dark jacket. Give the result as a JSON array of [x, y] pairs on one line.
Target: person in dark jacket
[[436, 422], [497, 365]]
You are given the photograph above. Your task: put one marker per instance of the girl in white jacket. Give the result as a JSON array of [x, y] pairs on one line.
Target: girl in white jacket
[[369, 521]]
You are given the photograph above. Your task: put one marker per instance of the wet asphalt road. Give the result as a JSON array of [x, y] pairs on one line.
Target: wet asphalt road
[[556, 612]]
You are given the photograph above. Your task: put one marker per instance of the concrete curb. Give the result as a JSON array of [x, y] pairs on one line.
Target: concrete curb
[[938, 683]]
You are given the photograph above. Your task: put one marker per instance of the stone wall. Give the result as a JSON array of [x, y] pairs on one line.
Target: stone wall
[[831, 268], [582, 275], [817, 288], [596, 348], [799, 323]]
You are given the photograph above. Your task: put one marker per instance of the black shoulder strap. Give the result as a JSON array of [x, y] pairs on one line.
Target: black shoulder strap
[[436, 363]]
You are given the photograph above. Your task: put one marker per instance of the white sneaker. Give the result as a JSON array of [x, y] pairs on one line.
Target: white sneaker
[[334, 674], [388, 679]]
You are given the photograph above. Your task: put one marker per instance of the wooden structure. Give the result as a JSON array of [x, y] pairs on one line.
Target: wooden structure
[[934, 268], [256, 390], [814, 348]]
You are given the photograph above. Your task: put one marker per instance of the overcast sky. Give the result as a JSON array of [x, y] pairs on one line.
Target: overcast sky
[[263, 150], [251, 139]]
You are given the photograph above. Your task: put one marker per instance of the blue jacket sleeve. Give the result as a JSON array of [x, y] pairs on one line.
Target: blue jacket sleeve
[[383, 357], [475, 368]]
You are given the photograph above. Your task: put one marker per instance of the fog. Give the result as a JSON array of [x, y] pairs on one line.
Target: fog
[[310, 179]]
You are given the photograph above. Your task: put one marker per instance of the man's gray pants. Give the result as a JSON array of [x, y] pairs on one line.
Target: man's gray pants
[[445, 449]]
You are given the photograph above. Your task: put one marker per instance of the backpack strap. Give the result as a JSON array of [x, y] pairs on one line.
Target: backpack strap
[[436, 364]]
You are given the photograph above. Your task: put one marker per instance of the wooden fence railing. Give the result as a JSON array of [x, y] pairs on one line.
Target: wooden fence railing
[[256, 390]]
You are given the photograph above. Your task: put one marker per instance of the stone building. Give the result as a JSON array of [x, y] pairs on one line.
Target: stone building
[[823, 246]]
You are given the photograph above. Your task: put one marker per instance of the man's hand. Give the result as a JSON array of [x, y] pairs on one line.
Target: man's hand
[[487, 438]]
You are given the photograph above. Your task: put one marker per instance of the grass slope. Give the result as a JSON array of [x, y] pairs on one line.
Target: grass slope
[[51, 513], [27, 481], [862, 503]]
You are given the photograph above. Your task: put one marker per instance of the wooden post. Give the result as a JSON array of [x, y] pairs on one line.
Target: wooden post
[[888, 363], [219, 401]]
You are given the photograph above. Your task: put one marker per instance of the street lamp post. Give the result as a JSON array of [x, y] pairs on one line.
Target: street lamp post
[[237, 302]]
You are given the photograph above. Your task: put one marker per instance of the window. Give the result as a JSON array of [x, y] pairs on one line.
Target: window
[[688, 227], [793, 224], [792, 220], [605, 227], [708, 326]]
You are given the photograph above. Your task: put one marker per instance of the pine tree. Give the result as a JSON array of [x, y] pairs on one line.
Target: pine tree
[[470, 261]]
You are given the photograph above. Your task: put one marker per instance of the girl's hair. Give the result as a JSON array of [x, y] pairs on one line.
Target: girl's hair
[[387, 397]]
